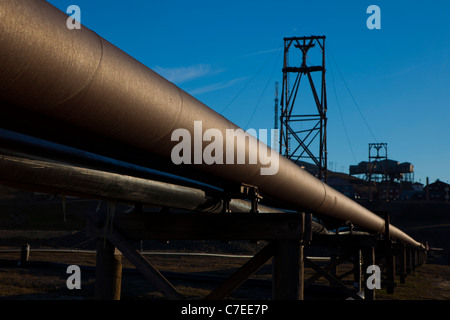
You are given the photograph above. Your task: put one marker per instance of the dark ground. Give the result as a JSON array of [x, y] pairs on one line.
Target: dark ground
[[41, 222]]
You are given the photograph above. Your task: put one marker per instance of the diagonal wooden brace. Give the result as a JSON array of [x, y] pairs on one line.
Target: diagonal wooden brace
[[336, 282], [241, 275], [143, 265]]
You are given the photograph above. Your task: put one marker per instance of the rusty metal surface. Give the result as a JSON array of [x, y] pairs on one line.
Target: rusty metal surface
[[82, 86], [52, 177]]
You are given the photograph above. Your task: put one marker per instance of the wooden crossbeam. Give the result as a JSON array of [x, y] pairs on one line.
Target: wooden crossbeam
[[333, 280], [212, 226], [285, 227], [348, 241], [334, 263]]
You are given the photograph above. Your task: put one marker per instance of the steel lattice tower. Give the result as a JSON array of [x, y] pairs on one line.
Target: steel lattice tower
[[305, 123]]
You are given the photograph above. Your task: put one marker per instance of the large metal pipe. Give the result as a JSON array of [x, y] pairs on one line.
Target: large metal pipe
[[26, 171], [80, 84], [29, 172], [16, 144]]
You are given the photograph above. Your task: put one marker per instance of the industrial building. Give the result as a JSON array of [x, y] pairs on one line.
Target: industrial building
[[438, 191], [394, 170]]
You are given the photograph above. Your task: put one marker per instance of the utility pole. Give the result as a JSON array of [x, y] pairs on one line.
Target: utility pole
[[276, 106]]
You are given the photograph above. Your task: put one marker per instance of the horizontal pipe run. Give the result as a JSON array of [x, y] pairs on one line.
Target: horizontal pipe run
[[79, 85], [16, 144], [51, 177]]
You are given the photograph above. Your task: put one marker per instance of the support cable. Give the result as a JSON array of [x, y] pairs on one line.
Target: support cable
[[248, 82], [262, 94], [353, 98], [342, 117]]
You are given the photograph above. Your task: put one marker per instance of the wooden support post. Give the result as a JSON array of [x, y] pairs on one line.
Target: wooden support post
[[422, 255], [408, 260], [389, 256], [307, 231], [334, 269], [357, 270], [108, 272], [368, 260], [419, 257], [24, 255], [390, 272], [95, 228], [288, 270], [144, 266], [402, 266]]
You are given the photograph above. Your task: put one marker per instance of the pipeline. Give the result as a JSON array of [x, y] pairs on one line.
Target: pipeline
[[20, 145], [52, 177], [75, 86], [31, 173]]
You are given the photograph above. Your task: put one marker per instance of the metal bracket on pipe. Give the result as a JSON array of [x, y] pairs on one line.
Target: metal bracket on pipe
[[252, 193], [245, 191], [226, 202]]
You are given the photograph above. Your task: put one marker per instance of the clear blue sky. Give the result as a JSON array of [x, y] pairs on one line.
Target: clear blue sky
[[228, 54]]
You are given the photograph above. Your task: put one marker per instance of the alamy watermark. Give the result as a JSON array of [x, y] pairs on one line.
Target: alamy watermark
[[374, 280], [74, 21], [74, 280], [190, 149], [374, 20]]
